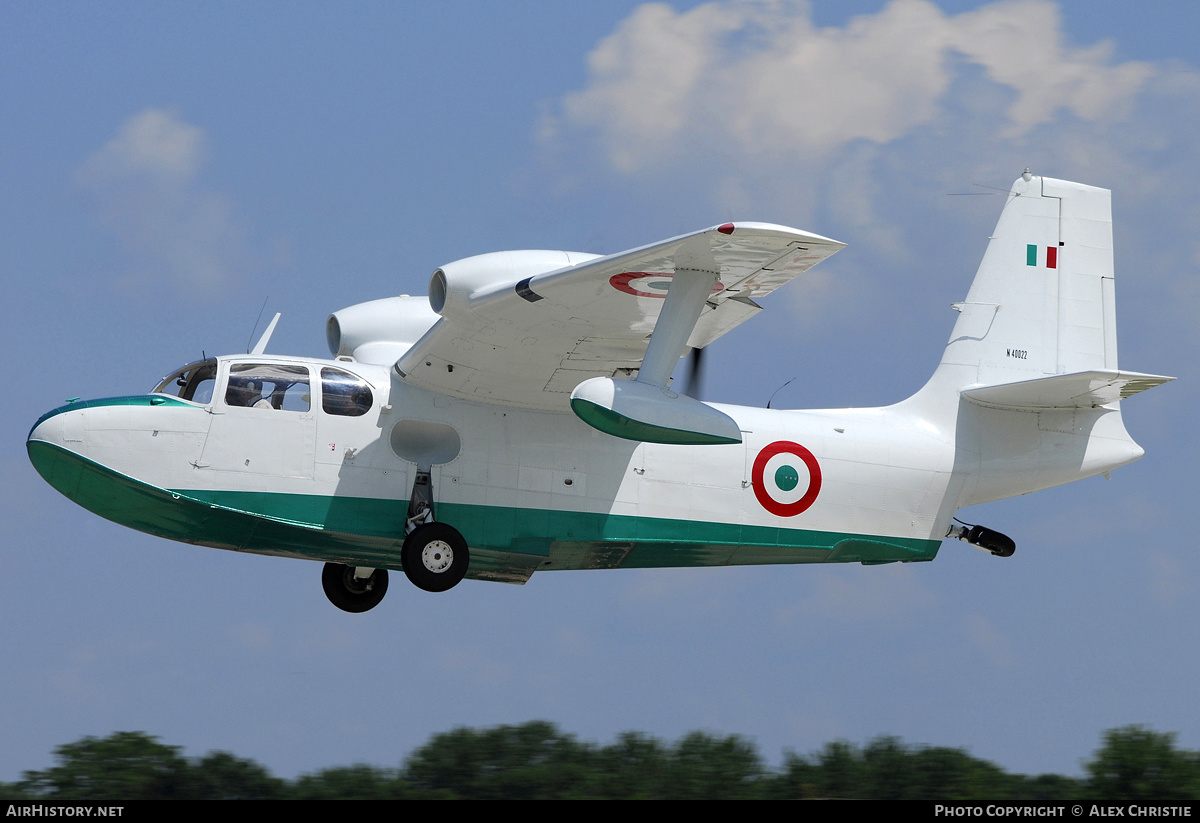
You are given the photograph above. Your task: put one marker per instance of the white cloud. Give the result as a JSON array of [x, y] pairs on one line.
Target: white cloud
[[746, 109], [758, 77], [145, 184], [152, 143]]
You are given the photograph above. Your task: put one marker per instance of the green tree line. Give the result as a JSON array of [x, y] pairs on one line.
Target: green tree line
[[537, 760]]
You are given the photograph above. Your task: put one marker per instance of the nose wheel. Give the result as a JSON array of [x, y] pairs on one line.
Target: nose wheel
[[350, 590], [435, 557]]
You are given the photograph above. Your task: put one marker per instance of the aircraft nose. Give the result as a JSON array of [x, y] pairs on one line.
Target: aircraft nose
[[50, 427], [55, 440]]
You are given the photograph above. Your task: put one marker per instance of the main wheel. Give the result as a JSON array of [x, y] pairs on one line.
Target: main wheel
[[435, 557], [350, 593]]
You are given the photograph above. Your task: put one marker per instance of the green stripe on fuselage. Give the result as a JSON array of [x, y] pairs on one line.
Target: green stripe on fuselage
[[369, 531]]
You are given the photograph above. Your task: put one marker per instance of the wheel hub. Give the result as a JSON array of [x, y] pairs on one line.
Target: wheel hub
[[437, 556], [357, 585]]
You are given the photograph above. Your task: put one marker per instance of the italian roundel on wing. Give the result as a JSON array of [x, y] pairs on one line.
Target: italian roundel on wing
[[648, 284], [786, 478]]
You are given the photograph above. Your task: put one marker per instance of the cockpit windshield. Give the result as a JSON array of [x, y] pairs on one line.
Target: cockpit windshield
[[194, 382]]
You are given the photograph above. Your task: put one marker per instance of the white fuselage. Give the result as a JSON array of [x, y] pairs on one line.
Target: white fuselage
[[534, 489]]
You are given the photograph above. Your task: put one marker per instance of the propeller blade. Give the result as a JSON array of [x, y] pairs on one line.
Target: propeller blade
[[696, 375]]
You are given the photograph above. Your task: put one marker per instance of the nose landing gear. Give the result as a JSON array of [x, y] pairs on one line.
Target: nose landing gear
[[353, 588]]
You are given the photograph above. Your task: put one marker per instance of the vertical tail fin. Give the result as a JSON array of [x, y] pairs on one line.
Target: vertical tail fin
[[1042, 302], [1029, 380]]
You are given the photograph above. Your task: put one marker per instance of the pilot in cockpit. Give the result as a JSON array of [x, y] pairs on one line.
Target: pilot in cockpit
[[248, 393]]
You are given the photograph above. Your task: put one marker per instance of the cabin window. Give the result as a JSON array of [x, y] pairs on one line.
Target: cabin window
[[268, 386], [194, 382], [344, 394]]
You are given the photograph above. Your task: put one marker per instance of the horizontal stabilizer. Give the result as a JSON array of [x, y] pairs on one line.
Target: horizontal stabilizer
[[1080, 390]]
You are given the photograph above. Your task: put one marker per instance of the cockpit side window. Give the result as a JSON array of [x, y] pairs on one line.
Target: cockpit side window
[[268, 386], [344, 394], [194, 382]]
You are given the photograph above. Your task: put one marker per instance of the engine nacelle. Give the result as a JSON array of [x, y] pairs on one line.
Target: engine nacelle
[[455, 285], [379, 331]]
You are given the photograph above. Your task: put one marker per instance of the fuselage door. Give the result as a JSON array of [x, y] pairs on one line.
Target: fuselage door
[[262, 421]]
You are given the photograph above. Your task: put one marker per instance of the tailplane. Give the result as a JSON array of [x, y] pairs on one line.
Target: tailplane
[[1078, 390]]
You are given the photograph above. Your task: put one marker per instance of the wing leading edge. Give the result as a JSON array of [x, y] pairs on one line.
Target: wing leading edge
[[525, 328]]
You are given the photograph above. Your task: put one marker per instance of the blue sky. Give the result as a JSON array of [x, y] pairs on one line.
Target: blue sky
[[167, 167]]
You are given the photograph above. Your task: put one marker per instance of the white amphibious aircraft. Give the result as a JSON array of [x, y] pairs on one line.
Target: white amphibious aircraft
[[521, 418]]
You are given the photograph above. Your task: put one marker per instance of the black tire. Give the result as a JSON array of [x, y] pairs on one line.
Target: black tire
[[1001, 545], [435, 557], [351, 594]]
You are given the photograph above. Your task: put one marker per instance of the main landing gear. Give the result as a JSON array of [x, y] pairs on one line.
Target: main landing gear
[[434, 558], [435, 555]]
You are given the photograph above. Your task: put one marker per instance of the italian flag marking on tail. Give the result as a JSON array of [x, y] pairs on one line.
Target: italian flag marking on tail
[[1031, 256]]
